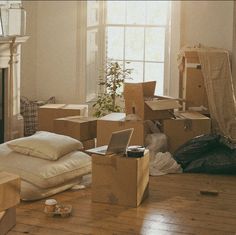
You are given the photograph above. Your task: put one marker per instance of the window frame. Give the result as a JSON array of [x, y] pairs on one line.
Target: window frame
[[166, 62]]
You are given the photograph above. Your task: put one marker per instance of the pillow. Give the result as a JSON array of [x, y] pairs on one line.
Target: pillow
[[45, 145]]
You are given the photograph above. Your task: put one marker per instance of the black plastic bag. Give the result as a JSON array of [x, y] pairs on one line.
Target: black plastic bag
[[208, 154], [195, 148]]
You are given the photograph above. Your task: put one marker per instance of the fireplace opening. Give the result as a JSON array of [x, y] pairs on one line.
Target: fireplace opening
[[2, 96]]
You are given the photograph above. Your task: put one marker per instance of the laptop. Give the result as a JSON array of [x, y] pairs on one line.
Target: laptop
[[118, 143]]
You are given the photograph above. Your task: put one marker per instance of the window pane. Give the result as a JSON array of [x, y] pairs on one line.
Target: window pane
[[157, 12], [155, 44], [155, 72], [135, 12], [134, 43], [115, 12], [137, 71], [115, 43]]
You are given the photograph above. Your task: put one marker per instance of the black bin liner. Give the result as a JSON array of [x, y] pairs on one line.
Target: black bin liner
[[208, 154]]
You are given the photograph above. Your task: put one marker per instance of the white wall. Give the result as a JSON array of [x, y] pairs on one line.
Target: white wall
[[207, 22], [29, 54], [50, 58], [50, 65]]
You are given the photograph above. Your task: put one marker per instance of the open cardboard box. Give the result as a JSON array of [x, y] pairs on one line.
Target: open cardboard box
[[140, 100]]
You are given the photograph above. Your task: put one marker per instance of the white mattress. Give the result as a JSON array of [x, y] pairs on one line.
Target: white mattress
[[45, 173]]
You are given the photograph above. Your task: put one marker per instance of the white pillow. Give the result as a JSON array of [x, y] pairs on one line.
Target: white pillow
[[45, 145]]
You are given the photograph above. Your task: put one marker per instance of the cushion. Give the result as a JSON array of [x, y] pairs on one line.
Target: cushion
[[31, 192], [45, 145], [45, 173]]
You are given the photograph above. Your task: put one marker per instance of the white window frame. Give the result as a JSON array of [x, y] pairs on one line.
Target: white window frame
[[166, 61]]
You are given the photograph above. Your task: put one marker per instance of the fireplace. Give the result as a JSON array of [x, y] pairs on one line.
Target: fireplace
[[11, 122]]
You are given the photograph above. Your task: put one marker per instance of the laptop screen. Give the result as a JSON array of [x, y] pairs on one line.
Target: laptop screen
[[119, 141]]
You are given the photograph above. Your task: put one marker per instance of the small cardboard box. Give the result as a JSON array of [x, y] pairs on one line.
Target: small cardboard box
[[47, 113], [186, 126], [140, 100], [120, 180], [78, 127], [9, 190], [116, 122]]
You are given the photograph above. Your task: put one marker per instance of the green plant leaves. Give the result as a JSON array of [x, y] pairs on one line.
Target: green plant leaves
[[115, 77]]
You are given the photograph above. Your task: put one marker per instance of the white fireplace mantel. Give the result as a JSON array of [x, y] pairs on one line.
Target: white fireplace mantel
[[10, 60]]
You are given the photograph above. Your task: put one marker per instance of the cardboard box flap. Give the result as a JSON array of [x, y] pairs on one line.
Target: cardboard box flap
[[149, 88], [144, 89], [163, 104], [191, 115]]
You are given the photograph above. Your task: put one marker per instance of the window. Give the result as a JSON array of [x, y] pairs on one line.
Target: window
[[137, 32], [126, 31]]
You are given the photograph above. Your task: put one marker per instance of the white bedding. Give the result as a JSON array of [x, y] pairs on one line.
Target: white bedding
[[45, 173]]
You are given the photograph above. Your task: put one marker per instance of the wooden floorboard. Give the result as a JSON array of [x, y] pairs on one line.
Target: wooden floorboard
[[174, 206]]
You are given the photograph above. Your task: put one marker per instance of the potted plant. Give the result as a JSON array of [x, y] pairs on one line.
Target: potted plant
[[111, 89]]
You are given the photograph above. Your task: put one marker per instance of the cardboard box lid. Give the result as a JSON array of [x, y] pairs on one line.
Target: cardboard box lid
[[190, 115], [163, 104]]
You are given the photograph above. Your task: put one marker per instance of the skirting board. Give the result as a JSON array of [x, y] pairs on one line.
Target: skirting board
[[7, 220]]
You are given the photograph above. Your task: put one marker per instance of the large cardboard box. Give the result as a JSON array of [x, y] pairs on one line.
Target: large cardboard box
[[9, 190], [116, 122], [192, 88], [140, 100], [186, 126], [120, 180], [78, 127], [47, 113]]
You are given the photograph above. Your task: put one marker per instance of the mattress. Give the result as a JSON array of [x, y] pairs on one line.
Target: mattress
[[30, 192], [43, 173]]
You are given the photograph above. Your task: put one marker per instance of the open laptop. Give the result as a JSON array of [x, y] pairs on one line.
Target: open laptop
[[118, 143]]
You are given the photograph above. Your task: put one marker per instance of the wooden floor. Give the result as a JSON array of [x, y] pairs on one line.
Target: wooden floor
[[174, 206]]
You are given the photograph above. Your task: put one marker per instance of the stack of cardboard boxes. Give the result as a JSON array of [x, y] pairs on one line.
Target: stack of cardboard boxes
[[179, 126], [70, 120], [140, 105]]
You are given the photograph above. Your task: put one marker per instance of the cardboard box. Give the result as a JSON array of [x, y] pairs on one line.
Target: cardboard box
[[9, 190], [140, 100], [116, 122], [120, 180], [47, 113], [192, 87], [88, 144], [186, 126], [78, 127]]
